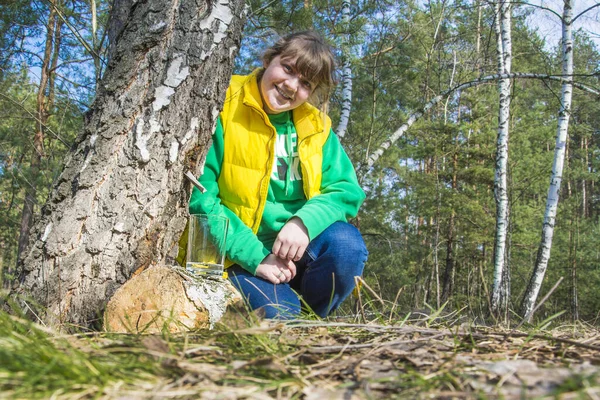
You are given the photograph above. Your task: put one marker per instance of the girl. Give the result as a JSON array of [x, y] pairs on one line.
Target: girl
[[280, 175]]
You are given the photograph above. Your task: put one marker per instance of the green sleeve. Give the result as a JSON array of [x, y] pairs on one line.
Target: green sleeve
[[340, 196], [243, 247]]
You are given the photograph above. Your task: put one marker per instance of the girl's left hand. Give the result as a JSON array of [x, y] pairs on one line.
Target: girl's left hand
[[276, 270], [292, 240]]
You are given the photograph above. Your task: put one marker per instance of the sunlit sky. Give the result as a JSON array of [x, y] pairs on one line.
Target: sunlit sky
[[549, 25]]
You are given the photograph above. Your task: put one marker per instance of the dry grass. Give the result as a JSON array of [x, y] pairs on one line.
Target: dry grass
[[382, 358]]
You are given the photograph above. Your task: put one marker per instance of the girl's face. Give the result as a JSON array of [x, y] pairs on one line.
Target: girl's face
[[282, 87]]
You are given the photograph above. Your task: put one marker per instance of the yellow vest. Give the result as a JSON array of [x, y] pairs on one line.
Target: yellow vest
[[249, 153], [249, 149]]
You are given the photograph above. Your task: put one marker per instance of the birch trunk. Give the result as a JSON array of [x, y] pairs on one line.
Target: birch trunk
[[504, 53], [120, 204], [541, 263], [346, 77]]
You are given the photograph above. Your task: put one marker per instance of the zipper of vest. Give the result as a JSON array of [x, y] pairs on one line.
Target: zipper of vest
[[288, 173]]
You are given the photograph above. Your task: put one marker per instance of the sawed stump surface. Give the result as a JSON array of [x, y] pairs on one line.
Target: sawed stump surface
[[168, 298]]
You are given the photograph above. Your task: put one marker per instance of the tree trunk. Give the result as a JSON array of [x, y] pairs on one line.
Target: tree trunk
[[448, 278], [435, 268], [504, 54], [119, 14], [478, 61], [120, 204], [586, 167], [506, 276], [541, 263], [346, 75], [573, 239], [449, 272]]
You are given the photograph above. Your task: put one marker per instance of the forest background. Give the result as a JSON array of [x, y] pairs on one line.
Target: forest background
[[430, 219]]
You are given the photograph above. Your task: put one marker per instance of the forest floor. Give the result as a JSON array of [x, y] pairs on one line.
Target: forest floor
[[309, 359]]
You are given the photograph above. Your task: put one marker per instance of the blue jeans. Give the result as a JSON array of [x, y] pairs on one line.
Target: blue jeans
[[324, 277]]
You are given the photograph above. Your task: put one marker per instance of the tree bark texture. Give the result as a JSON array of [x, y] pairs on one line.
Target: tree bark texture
[[120, 204], [543, 256], [119, 14], [346, 75], [504, 54]]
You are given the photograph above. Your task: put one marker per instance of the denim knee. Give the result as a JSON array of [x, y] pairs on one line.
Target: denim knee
[[334, 258], [276, 301], [342, 244]]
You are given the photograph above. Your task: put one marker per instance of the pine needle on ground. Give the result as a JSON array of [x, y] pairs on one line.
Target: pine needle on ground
[[301, 360]]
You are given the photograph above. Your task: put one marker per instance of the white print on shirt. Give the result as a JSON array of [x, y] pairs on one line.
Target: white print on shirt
[[282, 159]]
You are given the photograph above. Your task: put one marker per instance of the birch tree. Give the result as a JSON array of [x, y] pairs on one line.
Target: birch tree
[[346, 75], [543, 255], [120, 204], [502, 26]]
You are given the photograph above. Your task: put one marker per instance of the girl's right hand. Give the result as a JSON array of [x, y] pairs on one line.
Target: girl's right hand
[[276, 270]]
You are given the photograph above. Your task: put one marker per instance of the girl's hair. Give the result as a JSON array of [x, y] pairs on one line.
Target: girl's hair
[[315, 62]]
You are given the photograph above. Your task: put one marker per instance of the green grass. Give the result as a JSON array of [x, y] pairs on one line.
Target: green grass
[[391, 355], [37, 363]]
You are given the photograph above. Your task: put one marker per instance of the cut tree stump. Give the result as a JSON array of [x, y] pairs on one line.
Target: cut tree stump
[[162, 298]]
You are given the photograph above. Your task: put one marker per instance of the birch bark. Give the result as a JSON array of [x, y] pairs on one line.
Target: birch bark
[[541, 263], [120, 204], [504, 54], [346, 76]]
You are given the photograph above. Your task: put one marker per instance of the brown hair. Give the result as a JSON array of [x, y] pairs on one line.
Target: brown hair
[[315, 62]]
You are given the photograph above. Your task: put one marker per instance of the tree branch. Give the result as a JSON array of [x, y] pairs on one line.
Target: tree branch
[[75, 32], [524, 3], [584, 11], [56, 135], [372, 159]]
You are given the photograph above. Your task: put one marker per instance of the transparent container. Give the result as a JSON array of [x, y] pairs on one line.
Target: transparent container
[[206, 244]]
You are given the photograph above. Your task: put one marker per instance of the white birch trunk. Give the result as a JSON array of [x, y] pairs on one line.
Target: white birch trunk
[[541, 263], [504, 53], [346, 77], [120, 204]]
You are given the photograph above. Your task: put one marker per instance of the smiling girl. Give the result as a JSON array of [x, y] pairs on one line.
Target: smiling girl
[[280, 175]]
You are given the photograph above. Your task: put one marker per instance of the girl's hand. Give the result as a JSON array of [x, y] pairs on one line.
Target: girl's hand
[[292, 240], [276, 270]]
